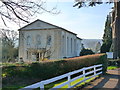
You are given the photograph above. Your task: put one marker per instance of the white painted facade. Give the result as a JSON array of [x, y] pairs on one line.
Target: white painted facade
[[40, 35]]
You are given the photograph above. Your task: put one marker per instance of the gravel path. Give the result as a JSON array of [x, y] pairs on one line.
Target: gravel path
[[111, 81]]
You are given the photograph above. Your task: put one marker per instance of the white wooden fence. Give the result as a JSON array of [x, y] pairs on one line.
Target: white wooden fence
[[94, 73]]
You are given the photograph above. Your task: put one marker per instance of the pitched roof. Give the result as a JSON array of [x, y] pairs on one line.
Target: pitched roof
[[52, 26], [79, 38]]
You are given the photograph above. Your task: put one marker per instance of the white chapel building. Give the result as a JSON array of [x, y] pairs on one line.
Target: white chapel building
[[40, 38]]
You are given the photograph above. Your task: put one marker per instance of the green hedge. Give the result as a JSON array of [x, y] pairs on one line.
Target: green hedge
[[115, 62], [48, 69], [26, 74], [86, 52]]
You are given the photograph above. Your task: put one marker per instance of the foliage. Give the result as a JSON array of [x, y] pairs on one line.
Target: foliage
[[86, 52], [115, 62], [115, 21], [107, 37], [86, 3], [112, 67], [38, 71], [9, 49], [104, 61], [105, 48], [111, 48]]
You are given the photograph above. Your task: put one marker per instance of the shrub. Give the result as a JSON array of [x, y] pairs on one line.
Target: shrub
[[48, 69], [86, 52], [115, 62]]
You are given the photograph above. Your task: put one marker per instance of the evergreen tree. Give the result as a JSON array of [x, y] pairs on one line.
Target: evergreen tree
[[107, 37], [115, 21]]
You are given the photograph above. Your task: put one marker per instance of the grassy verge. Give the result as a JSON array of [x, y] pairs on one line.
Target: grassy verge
[[66, 86], [112, 67], [113, 64]]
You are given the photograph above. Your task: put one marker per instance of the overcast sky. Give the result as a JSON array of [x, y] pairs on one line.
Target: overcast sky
[[86, 22]]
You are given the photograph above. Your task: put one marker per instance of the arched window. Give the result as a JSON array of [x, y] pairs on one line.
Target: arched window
[[49, 39], [38, 39], [28, 40]]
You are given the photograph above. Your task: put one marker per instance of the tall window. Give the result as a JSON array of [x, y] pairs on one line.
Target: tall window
[[28, 40], [27, 54], [38, 40], [74, 46], [67, 46], [63, 45], [49, 39], [71, 45]]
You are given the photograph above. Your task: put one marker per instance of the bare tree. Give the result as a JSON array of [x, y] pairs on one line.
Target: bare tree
[[91, 3], [9, 48], [10, 36], [22, 10], [45, 53], [42, 53], [97, 47]]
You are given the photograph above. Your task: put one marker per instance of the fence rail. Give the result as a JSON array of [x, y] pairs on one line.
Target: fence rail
[[95, 72]]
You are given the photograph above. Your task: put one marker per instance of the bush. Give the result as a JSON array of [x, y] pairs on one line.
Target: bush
[[105, 47], [115, 62], [49, 69], [86, 52]]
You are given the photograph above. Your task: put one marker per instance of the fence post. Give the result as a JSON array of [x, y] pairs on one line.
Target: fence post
[[84, 74], [69, 80], [41, 86], [94, 69]]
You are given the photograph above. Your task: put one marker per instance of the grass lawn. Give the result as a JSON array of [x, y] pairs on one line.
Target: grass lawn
[[66, 86], [112, 67]]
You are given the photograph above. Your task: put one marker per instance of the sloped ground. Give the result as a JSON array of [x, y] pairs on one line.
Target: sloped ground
[[111, 81]]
